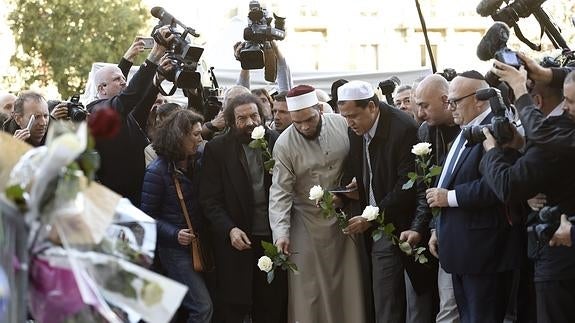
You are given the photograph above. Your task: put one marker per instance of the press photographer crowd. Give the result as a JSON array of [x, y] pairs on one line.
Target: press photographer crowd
[[451, 199]]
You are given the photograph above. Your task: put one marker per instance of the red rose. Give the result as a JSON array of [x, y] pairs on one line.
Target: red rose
[[104, 123]]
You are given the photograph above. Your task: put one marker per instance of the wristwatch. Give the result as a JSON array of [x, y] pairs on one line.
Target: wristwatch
[[211, 127]]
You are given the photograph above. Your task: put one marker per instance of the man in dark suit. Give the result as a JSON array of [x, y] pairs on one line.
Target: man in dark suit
[[234, 193], [438, 129], [477, 244], [515, 177], [390, 134]]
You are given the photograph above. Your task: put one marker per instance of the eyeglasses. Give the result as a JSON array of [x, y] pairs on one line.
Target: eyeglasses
[[453, 102]]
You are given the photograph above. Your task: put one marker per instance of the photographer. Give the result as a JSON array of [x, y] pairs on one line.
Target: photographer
[[537, 129], [516, 177], [122, 158]]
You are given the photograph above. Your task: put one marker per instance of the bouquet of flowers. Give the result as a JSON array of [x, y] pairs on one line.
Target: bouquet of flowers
[[85, 242], [259, 142], [424, 171], [371, 213], [273, 259]]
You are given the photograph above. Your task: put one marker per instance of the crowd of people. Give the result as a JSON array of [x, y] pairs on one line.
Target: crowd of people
[[493, 256]]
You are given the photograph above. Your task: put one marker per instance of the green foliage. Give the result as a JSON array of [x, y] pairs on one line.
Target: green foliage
[[58, 40], [262, 144]]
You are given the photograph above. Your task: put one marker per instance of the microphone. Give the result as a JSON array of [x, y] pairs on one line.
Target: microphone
[[164, 16], [488, 7], [494, 39]]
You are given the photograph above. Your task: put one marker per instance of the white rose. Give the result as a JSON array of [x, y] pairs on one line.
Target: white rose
[[421, 149], [406, 248], [370, 213], [258, 132], [316, 193], [265, 264]]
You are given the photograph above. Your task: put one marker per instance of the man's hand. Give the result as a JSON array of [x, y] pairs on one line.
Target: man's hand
[[60, 111], [239, 239], [535, 71], [136, 48], [219, 121], [237, 48], [433, 244], [436, 197], [357, 224], [185, 237], [537, 202], [283, 245], [489, 142], [516, 78], [516, 143], [158, 50], [412, 237], [562, 237], [166, 65], [22, 134]]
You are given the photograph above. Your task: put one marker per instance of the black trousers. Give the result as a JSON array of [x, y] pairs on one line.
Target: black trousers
[[555, 301], [482, 297], [269, 300]]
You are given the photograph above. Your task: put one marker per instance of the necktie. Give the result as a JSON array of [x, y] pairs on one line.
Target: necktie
[[367, 171], [451, 164]]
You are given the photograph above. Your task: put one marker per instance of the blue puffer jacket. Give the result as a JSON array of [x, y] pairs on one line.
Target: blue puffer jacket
[[160, 200]]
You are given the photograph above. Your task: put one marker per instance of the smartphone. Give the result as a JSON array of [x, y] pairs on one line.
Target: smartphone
[[341, 189], [31, 122], [148, 42]]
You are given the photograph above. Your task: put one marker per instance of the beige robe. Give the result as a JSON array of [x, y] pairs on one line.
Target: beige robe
[[328, 288]]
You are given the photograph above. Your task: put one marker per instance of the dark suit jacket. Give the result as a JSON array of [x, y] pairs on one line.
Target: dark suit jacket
[[391, 159], [476, 236], [515, 178], [226, 197]]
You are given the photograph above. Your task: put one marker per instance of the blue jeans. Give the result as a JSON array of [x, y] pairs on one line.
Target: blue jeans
[[178, 265]]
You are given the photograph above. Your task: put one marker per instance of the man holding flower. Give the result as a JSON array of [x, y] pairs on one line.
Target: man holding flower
[[329, 287], [234, 194], [381, 138]]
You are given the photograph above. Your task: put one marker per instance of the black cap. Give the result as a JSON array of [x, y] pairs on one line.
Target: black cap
[[472, 74]]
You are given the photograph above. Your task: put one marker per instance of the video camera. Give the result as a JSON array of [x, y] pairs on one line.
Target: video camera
[[494, 45], [513, 11], [257, 35], [184, 56], [387, 87], [500, 125], [544, 225]]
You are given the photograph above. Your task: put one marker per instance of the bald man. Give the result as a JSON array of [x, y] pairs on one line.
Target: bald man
[[440, 130], [477, 245], [7, 103]]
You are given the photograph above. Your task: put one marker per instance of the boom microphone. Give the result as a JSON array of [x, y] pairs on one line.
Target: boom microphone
[[488, 7], [164, 16], [494, 39]]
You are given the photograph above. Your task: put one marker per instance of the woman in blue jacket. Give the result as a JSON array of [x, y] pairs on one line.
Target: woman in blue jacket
[[176, 144]]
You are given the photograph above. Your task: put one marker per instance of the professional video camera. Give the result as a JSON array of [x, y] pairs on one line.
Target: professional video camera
[[387, 87], [258, 35], [76, 110], [544, 225], [500, 126], [184, 56], [513, 11], [494, 45]]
